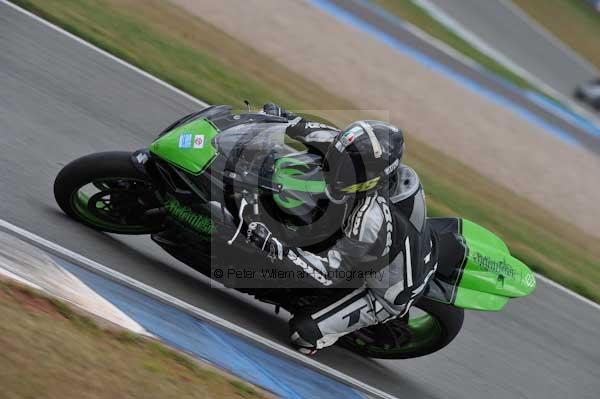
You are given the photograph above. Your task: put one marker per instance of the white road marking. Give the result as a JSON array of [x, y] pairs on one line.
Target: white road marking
[[120, 278], [105, 53], [567, 291], [490, 51], [470, 37], [550, 37]]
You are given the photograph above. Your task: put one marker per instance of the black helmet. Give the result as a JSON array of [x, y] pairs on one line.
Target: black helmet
[[362, 158]]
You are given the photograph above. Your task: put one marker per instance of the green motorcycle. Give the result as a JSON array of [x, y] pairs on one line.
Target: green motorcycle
[[190, 188]]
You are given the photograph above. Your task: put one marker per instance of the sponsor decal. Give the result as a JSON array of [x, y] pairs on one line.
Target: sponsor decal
[[307, 269], [185, 140], [529, 280], [392, 167], [199, 141], [317, 125], [496, 266], [389, 227], [348, 138], [364, 186], [201, 223], [359, 215], [141, 158]]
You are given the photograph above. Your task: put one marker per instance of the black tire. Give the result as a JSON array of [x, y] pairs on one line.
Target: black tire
[[448, 321], [102, 166]]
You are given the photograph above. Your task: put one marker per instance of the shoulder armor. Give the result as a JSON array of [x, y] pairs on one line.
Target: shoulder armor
[[408, 184]]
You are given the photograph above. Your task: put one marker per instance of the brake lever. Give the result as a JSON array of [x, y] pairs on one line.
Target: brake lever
[[243, 204]]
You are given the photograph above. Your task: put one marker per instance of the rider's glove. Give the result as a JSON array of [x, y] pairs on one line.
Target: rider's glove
[[259, 235], [276, 110]]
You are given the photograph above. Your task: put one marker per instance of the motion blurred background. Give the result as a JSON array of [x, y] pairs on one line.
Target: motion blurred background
[[498, 99]]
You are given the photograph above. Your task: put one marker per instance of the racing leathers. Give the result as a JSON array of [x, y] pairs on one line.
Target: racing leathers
[[386, 241]]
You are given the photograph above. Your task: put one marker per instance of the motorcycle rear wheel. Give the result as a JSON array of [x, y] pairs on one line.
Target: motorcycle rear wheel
[[434, 327], [107, 192]]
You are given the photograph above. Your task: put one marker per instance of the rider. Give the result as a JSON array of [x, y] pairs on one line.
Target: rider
[[384, 227]]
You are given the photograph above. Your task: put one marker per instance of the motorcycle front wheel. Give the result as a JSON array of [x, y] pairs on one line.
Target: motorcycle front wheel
[[430, 326], [108, 193]]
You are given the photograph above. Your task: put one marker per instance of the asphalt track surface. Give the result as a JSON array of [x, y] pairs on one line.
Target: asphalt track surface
[[60, 99], [391, 27], [499, 25]]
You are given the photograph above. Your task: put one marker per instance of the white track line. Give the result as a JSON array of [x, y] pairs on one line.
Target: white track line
[[99, 50], [467, 35], [550, 37], [445, 19], [567, 291], [120, 278]]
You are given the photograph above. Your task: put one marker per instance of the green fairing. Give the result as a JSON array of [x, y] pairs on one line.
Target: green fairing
[[483, 235], [471, 299], [174, 149], [491, 276], [286, 175]]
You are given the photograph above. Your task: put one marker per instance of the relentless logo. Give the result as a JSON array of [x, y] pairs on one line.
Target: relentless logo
[[201, 223], [496, 266]]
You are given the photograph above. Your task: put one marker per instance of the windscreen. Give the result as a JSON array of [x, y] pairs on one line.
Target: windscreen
[[251, 149]]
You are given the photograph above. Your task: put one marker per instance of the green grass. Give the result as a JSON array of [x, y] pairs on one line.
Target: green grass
[[407, 10], [574, 22], [202, 60], [49, 350]]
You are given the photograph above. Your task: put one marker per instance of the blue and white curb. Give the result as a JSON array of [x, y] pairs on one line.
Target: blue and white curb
[[29, 265], [144, 309]]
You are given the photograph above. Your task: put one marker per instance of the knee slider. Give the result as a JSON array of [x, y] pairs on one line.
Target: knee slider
[[306, 329]]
